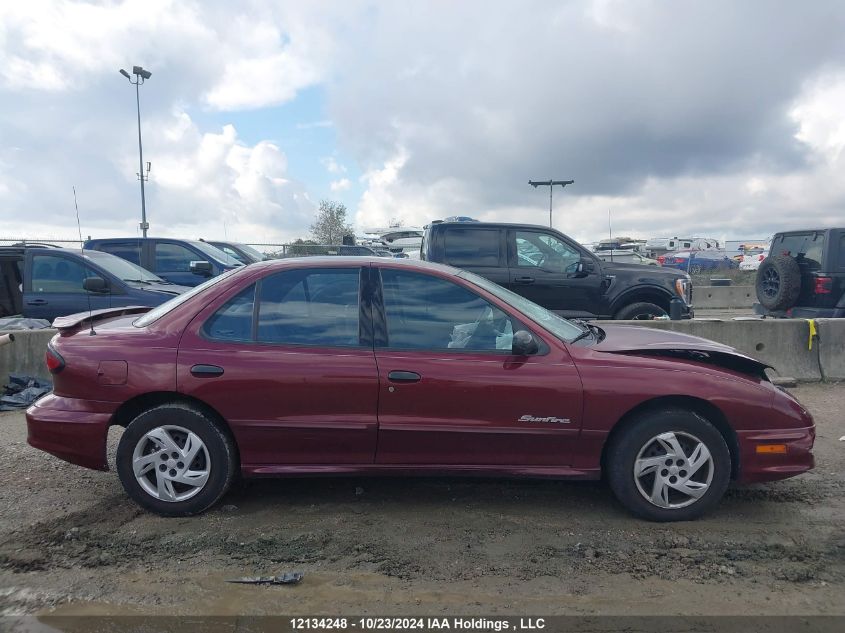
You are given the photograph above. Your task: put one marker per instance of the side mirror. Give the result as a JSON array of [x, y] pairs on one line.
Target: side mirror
[[201, 268], [524, 344], [95, 284]]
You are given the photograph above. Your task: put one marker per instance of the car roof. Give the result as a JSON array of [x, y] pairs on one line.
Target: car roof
[[336, 261], [476, 225]]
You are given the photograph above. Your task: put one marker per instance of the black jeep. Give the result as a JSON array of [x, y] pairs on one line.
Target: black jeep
[[804, 275]]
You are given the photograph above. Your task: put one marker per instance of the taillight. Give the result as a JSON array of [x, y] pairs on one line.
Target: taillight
[[824, 286], [760, 258], [661, 259], [55, 362]]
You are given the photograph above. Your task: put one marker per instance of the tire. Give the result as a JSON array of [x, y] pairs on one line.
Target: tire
[[640, 311], [639, 441], [778, 282], [210, 471]]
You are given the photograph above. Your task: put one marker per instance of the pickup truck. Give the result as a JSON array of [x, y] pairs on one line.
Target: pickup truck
[[183, 262], [555, 271], [44, 282]]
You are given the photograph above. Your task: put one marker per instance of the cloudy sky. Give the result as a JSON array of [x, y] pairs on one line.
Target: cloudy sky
[[717, 118]]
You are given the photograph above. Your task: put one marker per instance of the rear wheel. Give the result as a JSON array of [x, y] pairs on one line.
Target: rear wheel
[[641, 311], [778, 282], [669, 465], [174, 461]]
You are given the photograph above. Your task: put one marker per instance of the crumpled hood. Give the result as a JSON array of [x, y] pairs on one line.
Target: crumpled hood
[[646, 341]]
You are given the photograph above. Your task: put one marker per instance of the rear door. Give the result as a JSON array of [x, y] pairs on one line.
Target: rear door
[[54, 286], [451, 393], [482, 251], [545, 269], [287, 362]]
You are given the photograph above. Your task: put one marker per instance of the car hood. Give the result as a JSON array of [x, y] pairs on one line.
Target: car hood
[[170, 289], [645, 341]]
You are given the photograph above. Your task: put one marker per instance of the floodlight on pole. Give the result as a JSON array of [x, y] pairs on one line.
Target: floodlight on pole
[[551, 185], [140, 76]]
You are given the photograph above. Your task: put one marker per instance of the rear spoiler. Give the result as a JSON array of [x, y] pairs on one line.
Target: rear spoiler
[[74, 320]]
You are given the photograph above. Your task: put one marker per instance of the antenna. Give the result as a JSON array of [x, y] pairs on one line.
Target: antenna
[[82, 252], [610, 233]]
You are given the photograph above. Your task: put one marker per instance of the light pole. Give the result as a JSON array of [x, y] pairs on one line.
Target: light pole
[[551, 185], [140, 76]]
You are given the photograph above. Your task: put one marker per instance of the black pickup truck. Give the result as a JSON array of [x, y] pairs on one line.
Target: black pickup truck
[[555, 271]]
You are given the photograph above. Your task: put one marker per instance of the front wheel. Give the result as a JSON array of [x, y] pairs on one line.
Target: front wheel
[[669, 465], [174, 461], [641, 311]]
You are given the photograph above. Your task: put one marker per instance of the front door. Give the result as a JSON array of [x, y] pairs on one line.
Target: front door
[[55, 286], [545, 269], [450, 391], [285, 363]]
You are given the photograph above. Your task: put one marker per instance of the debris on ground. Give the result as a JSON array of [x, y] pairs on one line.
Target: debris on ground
[[22, 391], [288, 578], [23, 323]]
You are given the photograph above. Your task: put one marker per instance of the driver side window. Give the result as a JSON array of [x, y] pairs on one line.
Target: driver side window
[[545, 251]]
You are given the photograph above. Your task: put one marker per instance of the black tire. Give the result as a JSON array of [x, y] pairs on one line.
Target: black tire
[[641, 311], [219, 458], [626, 447], [778, 282]]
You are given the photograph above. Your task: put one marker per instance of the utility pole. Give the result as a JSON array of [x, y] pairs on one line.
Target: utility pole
[[551, 185], [140, 76]]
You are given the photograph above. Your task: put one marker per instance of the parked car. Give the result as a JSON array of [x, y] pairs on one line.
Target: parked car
[[244, 253], [752, 261], [804, 275], [695, 262], [364, 366], [44, 282], [184, 262], [554, 270]]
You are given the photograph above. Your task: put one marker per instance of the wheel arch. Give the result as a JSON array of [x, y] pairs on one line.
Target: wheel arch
[[653, 294], [706, 409], [133, 407]]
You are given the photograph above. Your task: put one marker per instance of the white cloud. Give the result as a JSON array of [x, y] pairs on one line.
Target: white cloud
[[340, 185], [332, 166]]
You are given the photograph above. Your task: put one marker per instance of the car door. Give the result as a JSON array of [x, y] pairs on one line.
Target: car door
[[54, 286], [286, 362], [451, 392], [172, 261], [546, 269], [478, 250]]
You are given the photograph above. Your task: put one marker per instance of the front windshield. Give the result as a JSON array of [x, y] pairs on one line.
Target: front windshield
[[560, 327], [121, 268], [156, 313], [249, 250], [216, 253]]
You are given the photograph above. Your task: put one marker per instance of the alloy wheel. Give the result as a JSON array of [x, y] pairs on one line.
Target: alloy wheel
[[770, 283], [171, 463], [673, 470]]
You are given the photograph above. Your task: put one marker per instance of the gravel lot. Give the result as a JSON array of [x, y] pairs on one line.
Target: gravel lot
[[71, 541]]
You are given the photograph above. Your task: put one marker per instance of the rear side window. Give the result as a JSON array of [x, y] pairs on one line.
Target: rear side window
[[807, 248], [313, 306], [842, 252], [233, 322], [472, 247], [130, 251], [174, 258], [425, 312]]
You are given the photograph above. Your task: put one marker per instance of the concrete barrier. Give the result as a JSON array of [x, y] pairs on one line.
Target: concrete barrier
[[723, 296], [831, 348], [781, 343], [26, 354]]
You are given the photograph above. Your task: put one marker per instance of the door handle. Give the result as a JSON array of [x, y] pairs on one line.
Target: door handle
[[37, 302], [524, 280], [403, 376], [206, 371]]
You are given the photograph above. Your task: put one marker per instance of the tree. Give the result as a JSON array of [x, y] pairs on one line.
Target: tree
[[330, 225]]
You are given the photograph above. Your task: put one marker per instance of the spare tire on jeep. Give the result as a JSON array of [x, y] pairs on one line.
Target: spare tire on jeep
[[778, 282]]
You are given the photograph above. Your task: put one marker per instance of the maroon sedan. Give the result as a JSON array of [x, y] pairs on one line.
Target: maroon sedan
[[371, 366]]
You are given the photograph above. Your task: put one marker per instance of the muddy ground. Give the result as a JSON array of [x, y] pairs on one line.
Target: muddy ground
[[71, 541]]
